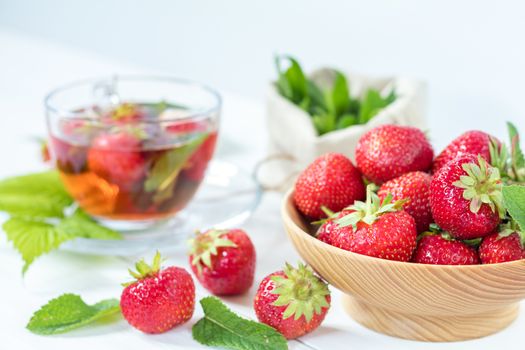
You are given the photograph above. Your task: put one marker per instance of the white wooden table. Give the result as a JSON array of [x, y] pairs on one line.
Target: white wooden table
[[28, 69]]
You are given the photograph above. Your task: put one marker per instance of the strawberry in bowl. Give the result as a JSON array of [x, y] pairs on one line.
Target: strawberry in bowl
[[430, 256]]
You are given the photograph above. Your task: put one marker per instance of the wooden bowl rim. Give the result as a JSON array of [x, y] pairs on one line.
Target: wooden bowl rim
[[369, 259]]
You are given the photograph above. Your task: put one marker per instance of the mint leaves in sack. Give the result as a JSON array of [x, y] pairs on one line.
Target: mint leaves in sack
[[222, 328], [41, 219], [331, 108], [68, 312]]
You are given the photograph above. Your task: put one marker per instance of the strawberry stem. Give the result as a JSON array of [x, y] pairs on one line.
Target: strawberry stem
[[482, 185], [369, 211]]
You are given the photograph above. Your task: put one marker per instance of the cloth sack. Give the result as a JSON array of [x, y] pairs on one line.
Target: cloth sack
[[294, 138]]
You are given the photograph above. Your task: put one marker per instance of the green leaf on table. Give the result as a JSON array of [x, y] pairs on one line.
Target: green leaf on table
[[167, 167], [33, 237], [68, 312], [80, 224], [36, 195], [221, 327], [514, 202]]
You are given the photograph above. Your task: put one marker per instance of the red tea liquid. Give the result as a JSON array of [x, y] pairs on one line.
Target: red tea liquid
[[140, 167]]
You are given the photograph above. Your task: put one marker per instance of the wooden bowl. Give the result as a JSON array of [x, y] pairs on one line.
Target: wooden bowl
[[413, 301]]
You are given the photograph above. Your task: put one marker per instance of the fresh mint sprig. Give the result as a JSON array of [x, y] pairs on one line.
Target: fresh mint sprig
[[222, 328], [333, 108], [40, 217], [68, 312]]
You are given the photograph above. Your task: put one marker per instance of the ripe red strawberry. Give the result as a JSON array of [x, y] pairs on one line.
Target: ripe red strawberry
[[415, 187], [293, 301], [117, 158], [508, 245], [159, 299], [378, 229], [466, 198], [473, 142], [444, 250], [326, 231], [331, 181], [223, 261], [389, 151]]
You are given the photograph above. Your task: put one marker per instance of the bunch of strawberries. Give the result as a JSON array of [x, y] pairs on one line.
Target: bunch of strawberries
[[294, 301], [401, 203]]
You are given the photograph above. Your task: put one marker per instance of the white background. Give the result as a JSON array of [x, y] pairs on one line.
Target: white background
[[470, 53]]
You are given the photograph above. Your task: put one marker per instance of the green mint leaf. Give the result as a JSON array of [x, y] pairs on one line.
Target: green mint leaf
[[340, 96], [33, 237], [291, 83], [68, 312], [222, 328], [163, 175], [31, 205], [37, 195], [80, 224], [372, 103], [324, 123], [316, 98], [346, 120], [514, 202], [370, 106]]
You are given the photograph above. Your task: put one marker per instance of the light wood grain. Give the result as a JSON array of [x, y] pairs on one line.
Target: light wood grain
[[414, 301]]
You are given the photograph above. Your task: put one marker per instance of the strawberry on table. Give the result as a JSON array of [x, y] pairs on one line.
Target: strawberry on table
[[294, 301], [223, 261], [389, 151], [498, 247], [331, 181], [376, 228], [117, 157], [466, 198], [473, 142], [159, 299], [415, 187], [442, 249]]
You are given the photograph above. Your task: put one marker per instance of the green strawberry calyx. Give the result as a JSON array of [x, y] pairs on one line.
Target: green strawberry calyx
[[301, 291], [206, 244], [509, 228], [435, 230], [329, 215], [144, 270], [482, 185], [369, 211]]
